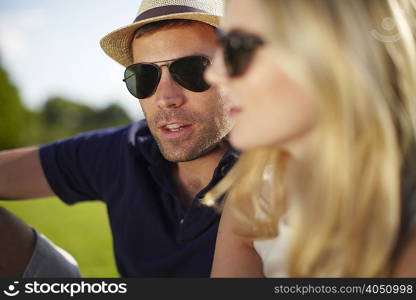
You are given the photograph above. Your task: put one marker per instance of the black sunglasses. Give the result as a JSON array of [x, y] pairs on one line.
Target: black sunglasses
[[142, 79], [238, 50]]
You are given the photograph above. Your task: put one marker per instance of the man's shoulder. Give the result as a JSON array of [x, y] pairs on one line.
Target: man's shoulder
[[132, 133], [135, 138], [139, 132]]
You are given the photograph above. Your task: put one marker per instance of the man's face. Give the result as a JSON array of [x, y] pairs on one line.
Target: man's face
[[202, 116]]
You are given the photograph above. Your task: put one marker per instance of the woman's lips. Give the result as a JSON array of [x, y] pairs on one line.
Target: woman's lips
[[233, 111]]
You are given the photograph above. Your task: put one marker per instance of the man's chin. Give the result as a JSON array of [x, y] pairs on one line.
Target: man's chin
[[179, 157], [184, 155]]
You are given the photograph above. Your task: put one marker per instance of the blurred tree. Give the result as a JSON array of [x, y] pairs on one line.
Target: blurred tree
[[12, 113], [109, 116], [56, 119], [63, 118], [34, 129]]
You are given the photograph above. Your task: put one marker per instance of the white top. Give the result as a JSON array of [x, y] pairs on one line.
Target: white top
[[273, 252]]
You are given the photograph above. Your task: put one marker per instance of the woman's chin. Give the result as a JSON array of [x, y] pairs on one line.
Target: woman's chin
[[244, 142]]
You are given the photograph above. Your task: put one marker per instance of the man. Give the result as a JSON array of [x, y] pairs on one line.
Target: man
[[151, 174]]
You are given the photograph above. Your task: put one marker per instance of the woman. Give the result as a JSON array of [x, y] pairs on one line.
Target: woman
[[324, 96]]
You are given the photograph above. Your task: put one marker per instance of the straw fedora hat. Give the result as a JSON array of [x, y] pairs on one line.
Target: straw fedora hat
[[117, 43]]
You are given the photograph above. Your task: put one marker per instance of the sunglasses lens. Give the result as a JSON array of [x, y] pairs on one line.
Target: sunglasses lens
[[189, 72], [141, 80], [238, 50], [237, 57]]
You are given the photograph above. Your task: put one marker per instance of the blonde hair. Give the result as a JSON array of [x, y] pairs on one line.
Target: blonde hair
[[366, 88]]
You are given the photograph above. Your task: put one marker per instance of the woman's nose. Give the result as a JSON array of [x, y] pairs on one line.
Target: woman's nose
[[215, 74]]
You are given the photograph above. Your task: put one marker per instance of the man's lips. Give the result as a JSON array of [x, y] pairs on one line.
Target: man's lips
[[173, 124], [175, 130]]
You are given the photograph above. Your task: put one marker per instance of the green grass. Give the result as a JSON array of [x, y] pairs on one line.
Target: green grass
[[80, 229]]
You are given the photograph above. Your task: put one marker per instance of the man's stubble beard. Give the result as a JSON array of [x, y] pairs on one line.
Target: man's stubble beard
[[214, 127], [201, 143]]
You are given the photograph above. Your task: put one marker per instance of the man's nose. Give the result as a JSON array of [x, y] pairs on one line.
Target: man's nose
[[169, 94]]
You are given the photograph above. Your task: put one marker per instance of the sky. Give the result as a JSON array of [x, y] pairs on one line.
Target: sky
[[51, 48]]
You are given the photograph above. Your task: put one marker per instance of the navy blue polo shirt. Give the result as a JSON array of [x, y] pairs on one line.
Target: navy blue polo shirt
[[153, 235]]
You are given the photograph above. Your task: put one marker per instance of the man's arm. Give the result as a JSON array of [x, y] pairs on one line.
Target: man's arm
[[234, 255], [21, 175]]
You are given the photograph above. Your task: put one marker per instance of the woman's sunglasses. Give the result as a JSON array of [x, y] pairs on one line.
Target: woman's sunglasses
[[142, 79], [238, 50]]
